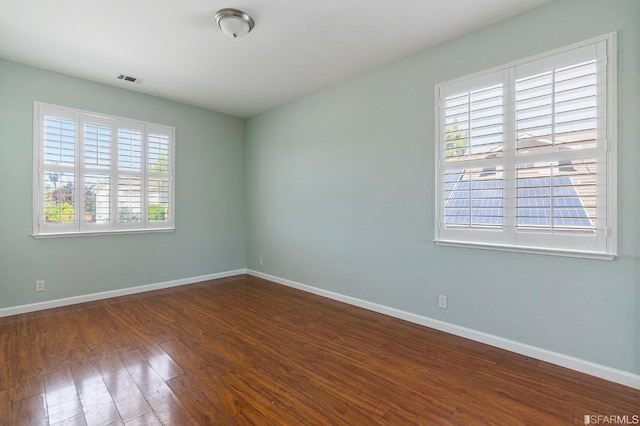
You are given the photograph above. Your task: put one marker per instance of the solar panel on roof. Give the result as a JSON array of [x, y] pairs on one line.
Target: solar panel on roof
[[534, 203], [479, 203], [476, 203]]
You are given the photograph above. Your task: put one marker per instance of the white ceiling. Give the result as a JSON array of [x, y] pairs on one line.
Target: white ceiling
[[174, 46]]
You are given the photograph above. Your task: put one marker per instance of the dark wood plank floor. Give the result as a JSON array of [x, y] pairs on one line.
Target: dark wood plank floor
[[246, 351]]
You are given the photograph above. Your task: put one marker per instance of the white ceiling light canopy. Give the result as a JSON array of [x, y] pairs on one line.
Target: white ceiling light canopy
[[233, 22]]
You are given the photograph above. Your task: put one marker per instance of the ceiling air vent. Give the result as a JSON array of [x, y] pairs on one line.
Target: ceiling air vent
[[129, 78]]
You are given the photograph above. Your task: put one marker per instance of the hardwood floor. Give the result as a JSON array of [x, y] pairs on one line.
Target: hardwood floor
[[246, 351]]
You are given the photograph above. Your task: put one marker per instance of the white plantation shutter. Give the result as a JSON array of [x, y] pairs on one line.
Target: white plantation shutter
[[474, 124], [158, 200], [97, 190], [557, 109], [159, 152], [557, 122], [57, 174], [474, 198], [159, 177], [525, 155], [472, 146], [130, 149], [95, 173], [557, 197], [60, 139], [130, 174], [97, 144], [129, 201]]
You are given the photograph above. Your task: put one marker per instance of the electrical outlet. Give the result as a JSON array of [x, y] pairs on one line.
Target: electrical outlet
[[40, 285], [442, 301], [260, 261]]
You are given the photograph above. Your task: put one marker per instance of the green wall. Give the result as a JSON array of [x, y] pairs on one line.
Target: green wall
[[210, 196], [340, 196]]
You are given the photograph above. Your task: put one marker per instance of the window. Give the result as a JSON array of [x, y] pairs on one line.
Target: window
[[525, 155], [95, 173]]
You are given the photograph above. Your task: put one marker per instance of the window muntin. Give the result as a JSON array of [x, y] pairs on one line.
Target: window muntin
[[95, 173], [525, 155]]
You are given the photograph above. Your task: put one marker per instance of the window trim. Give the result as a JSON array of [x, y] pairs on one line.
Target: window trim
[[79, 227], [475, 238]]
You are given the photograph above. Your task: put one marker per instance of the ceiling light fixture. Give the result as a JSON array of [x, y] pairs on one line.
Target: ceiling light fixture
[[234, 23]]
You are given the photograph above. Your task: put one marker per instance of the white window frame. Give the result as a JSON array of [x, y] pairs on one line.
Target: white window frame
[[600, 245], [80, 227]]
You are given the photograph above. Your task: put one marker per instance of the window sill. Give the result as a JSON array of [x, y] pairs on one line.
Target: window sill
[[100, 233], [530, 250]]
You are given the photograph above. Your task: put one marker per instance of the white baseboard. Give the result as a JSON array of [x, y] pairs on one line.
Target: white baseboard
[[32, 307], [577, 364], [573, 363]]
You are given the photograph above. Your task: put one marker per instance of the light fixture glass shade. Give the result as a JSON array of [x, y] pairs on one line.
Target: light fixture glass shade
[[234, 27], [234, 23]]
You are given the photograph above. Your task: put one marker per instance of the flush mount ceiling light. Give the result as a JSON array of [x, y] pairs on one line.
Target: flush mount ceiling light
[[233, 22]]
